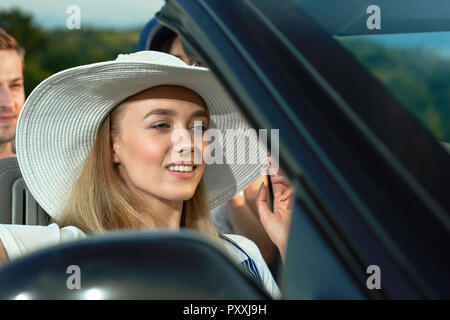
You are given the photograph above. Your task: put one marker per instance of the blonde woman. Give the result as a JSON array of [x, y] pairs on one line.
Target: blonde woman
[[109, 146]]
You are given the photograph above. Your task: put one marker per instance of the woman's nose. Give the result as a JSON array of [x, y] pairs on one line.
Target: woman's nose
[[183, 143]]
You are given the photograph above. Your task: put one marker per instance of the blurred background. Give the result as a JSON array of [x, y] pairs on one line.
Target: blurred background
[[107, 28], [415, 68]]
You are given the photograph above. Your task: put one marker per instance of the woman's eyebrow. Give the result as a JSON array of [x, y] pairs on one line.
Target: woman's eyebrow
[[171, 112], [200, 113], [160, 112]]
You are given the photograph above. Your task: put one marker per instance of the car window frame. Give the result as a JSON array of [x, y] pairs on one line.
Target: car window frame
[[346, 144]]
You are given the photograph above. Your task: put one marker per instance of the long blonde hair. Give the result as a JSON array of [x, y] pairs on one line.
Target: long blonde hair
[[101, 201]]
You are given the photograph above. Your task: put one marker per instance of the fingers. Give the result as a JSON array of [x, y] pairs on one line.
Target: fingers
[[274, 169], [262, 193], [252, 191], [261, 203], [280, 180], [286, 195], [283, 189]]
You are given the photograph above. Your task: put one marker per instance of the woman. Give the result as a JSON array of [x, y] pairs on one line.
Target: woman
[[239, 214], [99, 148]]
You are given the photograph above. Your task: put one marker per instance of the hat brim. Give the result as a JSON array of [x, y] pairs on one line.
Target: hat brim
[[60, 119]]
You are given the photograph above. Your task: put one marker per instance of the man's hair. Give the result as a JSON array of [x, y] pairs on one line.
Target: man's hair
[[164, 44], [7, 42]]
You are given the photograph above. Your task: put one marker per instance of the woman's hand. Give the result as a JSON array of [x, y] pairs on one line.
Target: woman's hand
[[277, 223], [243, 216]]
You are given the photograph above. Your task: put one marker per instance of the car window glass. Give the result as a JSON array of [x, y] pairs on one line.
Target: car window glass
[[415, 68]]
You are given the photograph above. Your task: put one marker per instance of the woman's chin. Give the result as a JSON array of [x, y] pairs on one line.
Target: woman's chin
[[181, 196]]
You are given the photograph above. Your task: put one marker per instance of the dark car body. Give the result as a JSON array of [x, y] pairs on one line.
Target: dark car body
[[372, 184]]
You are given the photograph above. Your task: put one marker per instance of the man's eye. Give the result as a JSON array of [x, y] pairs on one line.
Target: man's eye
[[16, 85], [161, 126]]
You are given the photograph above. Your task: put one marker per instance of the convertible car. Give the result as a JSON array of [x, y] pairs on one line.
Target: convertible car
[[372, 206]]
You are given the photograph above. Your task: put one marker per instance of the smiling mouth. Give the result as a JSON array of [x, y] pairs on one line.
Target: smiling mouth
[[181, 168], [182, 171]]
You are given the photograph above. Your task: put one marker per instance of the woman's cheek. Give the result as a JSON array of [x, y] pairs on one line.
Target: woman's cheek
[[144, 154], [205, 151]]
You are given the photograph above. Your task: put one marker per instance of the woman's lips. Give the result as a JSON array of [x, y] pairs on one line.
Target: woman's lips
[[183, 174]]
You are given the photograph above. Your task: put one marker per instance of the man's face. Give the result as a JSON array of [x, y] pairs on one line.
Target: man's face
[[176, 49], [12, 94]]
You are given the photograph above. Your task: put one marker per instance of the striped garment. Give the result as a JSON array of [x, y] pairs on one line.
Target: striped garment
[[248, 265]]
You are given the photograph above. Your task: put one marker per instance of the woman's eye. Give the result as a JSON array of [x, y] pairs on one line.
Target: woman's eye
[[199, 128], [161, 126]]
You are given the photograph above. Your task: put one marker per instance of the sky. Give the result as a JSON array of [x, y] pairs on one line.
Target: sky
[[439, 41], [128, 14], [115, 14], [436, 41]]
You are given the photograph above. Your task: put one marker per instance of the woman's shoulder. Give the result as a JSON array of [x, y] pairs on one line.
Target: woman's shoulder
[[245, 250], [242, 243], [67, 232], [242, 248], [20, 240]]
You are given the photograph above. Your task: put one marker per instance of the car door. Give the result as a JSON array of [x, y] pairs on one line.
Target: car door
[[372, 185]]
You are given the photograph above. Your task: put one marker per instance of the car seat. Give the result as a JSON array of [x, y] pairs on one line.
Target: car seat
[[133, 265], [17, 205], [130, 265]]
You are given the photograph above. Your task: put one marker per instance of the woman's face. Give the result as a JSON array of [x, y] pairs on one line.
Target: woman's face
[[152, 141]]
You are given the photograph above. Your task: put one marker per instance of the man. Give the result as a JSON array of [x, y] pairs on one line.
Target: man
[[156, 37], [177, 50], [12, 94]]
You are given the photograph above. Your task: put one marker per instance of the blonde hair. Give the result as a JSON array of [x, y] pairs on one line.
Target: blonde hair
[[101, 201]]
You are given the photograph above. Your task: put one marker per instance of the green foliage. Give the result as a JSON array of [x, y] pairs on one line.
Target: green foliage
[[48, 52], [418, 78]]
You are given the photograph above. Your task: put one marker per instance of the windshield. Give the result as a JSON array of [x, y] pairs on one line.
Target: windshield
[[416, 70], [388, 39]]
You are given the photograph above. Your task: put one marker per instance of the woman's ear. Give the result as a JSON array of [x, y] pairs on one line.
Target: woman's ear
[[115, 149]]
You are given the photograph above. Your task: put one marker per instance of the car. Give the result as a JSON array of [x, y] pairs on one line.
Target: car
[[371, 217]]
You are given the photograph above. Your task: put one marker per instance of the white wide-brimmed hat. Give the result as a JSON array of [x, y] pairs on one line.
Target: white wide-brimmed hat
[[58, 124]]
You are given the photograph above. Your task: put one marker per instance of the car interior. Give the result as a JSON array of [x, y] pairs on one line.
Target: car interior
[[17, 205], [152, 261], [365, 193]]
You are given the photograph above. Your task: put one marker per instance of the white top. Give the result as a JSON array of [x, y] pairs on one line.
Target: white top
[[20, 240]]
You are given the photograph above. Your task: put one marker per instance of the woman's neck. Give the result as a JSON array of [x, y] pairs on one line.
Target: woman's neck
[[167, 211]]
